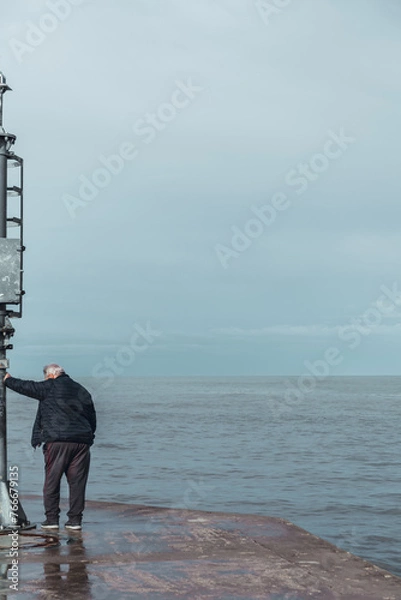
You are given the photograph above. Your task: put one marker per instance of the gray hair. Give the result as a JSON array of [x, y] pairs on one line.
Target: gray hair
[[53, 369]]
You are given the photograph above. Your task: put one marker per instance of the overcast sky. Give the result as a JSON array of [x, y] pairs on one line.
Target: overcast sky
[[252, 219]]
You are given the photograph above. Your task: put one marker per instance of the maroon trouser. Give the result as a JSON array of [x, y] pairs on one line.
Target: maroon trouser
[[71, 459]]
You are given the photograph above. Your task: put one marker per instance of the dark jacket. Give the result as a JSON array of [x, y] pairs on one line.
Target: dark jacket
[[66, 412]]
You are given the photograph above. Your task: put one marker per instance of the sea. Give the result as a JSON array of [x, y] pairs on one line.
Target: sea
[[324, 454]]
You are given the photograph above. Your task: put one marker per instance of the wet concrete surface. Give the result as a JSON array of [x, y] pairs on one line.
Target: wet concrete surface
[[126, 552]]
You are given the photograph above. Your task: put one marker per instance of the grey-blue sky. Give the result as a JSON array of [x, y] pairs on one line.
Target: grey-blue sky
[[144, 249]]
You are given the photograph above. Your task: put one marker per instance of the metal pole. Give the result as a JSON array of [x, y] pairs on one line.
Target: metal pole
[[11, 514], [3, 188], [3, 234]]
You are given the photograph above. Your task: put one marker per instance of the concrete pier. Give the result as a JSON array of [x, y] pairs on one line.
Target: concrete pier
[[127, 552]]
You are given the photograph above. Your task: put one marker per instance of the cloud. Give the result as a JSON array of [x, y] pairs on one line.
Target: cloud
[[302, 330], [278, 330], [143, 248]]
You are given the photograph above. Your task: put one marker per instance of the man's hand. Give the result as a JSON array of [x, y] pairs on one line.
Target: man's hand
[[6, 376]]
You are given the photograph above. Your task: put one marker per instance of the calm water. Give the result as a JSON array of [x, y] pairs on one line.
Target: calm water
[[330, 461]]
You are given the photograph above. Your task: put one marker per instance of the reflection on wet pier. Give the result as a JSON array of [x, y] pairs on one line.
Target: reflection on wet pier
[[133, 551]]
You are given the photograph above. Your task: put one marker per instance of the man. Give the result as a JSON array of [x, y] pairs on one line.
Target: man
[[65, 423]]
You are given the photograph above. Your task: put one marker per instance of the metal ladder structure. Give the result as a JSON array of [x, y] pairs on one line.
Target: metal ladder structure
[[11, 271]]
